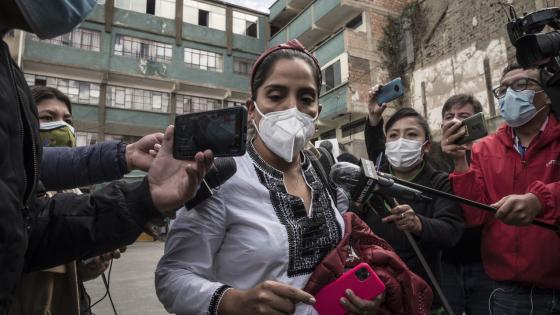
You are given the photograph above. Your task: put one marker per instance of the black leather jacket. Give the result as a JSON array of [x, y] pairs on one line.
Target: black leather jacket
[[39, 232]]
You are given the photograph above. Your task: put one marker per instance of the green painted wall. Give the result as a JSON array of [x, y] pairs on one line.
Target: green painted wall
[[331, 49], [301, 24], [334, 102], [137, 118], [322, 7], [277, 8], [204, 34], [144, 22], [84, 112]]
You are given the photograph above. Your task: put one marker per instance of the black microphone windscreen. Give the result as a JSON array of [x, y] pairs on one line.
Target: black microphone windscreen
[[346, 175], [221, 170], [348, 157]]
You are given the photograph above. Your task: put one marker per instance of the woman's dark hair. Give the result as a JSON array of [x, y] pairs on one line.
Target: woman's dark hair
[[409, 112], [263, 70], [41, 93]]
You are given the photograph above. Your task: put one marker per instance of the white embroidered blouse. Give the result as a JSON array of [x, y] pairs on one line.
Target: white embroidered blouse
[[251, 230]]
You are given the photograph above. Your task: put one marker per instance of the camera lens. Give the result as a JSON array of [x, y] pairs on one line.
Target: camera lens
[[362, 274], [396, 88]]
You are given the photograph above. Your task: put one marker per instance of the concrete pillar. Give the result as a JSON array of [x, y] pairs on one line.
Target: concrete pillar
[[488, 79], [109, 11], [102, 110], [229, 30], [178, 22]]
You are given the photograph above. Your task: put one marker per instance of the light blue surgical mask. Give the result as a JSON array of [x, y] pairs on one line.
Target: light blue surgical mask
[[517, 108], [50, 18]]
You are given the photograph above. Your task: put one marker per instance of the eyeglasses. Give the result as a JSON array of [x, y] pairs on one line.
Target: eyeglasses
[[517, 85]]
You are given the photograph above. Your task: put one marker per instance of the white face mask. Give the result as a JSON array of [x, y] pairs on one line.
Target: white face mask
[[285, 132], [404, 153]]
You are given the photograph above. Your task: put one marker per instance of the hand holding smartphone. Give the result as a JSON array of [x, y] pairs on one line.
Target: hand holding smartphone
[[390, 91], [362, 280], [475, 128], [224, 131]]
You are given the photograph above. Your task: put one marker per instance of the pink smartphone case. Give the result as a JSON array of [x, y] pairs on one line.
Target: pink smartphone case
[[328, 298]]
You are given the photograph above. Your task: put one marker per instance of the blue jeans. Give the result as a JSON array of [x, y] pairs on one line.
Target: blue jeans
[[466, 287], [512, 299]]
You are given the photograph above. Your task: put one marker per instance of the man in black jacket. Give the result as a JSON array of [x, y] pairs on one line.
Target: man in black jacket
[[38, 233]]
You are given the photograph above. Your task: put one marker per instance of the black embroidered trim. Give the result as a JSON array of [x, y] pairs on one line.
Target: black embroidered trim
[[216, 298], [310, 238]]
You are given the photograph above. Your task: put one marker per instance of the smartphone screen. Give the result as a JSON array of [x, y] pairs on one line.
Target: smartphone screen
[[224, 131]]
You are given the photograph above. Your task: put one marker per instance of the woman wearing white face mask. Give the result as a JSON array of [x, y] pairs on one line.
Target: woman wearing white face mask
[[402, 151], [252, 246]]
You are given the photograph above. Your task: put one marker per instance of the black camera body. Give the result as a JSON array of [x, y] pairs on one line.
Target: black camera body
[[537, 49]]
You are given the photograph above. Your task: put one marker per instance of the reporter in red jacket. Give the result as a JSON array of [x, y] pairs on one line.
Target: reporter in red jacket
[[518, 171]]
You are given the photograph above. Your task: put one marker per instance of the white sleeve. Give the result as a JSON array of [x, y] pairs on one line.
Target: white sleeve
[[184, 277], [342, 202]]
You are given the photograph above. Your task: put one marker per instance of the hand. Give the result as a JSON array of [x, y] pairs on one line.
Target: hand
[[268, 297], [405, 219], [174, 182], [518, 209], [96, 267], [358, 306], [375, 110], [452, 132], [140, 154]]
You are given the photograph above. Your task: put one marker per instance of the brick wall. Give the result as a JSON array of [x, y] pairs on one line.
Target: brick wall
[[457, 39]]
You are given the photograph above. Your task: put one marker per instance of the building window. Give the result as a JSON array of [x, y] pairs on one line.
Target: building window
[[79, 92], [330, 134], [190, 104], [204, 60], [245, 24], [138, 99], [162, 8], [204, 14], [242, 66], [234, 104], [85, 138], [123, 138], [143, 49], [79, 38], [331, 77], [353, 128], [357, 23]]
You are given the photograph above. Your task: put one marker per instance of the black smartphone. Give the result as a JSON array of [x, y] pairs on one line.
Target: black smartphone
[[224, 131], [390, 91], [475, 128]]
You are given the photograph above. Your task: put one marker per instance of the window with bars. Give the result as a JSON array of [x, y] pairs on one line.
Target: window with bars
[[242, 66], [79, 92], [245, 24], [138, 99], [191, 104], [204, 60], [81, 38], [143, 49], [204, 14]]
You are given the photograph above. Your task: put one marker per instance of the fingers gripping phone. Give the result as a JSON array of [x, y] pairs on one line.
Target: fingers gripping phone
[[390, 91], [361, 279], [475, 128], [224, 131]]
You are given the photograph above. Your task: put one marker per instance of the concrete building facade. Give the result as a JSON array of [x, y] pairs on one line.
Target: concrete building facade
[[345, 36], [135, 64]]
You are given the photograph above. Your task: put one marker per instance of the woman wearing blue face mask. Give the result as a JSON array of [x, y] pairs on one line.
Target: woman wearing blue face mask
[[252, 246], [436, 224]]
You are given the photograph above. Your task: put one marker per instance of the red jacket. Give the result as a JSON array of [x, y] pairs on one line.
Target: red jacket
[[405, 292], [527, 255]]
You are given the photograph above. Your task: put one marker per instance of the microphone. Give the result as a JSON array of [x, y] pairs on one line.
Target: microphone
[[362, 181], [222, 169]]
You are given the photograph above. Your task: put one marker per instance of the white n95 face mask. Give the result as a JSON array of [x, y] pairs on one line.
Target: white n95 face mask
[[285, 132], [403, 153]]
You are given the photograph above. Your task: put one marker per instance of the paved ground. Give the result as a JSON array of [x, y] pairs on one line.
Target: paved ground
[[132, 282]]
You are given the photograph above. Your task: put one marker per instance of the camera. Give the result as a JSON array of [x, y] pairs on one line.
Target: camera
[[362, 274], [535, 48]]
